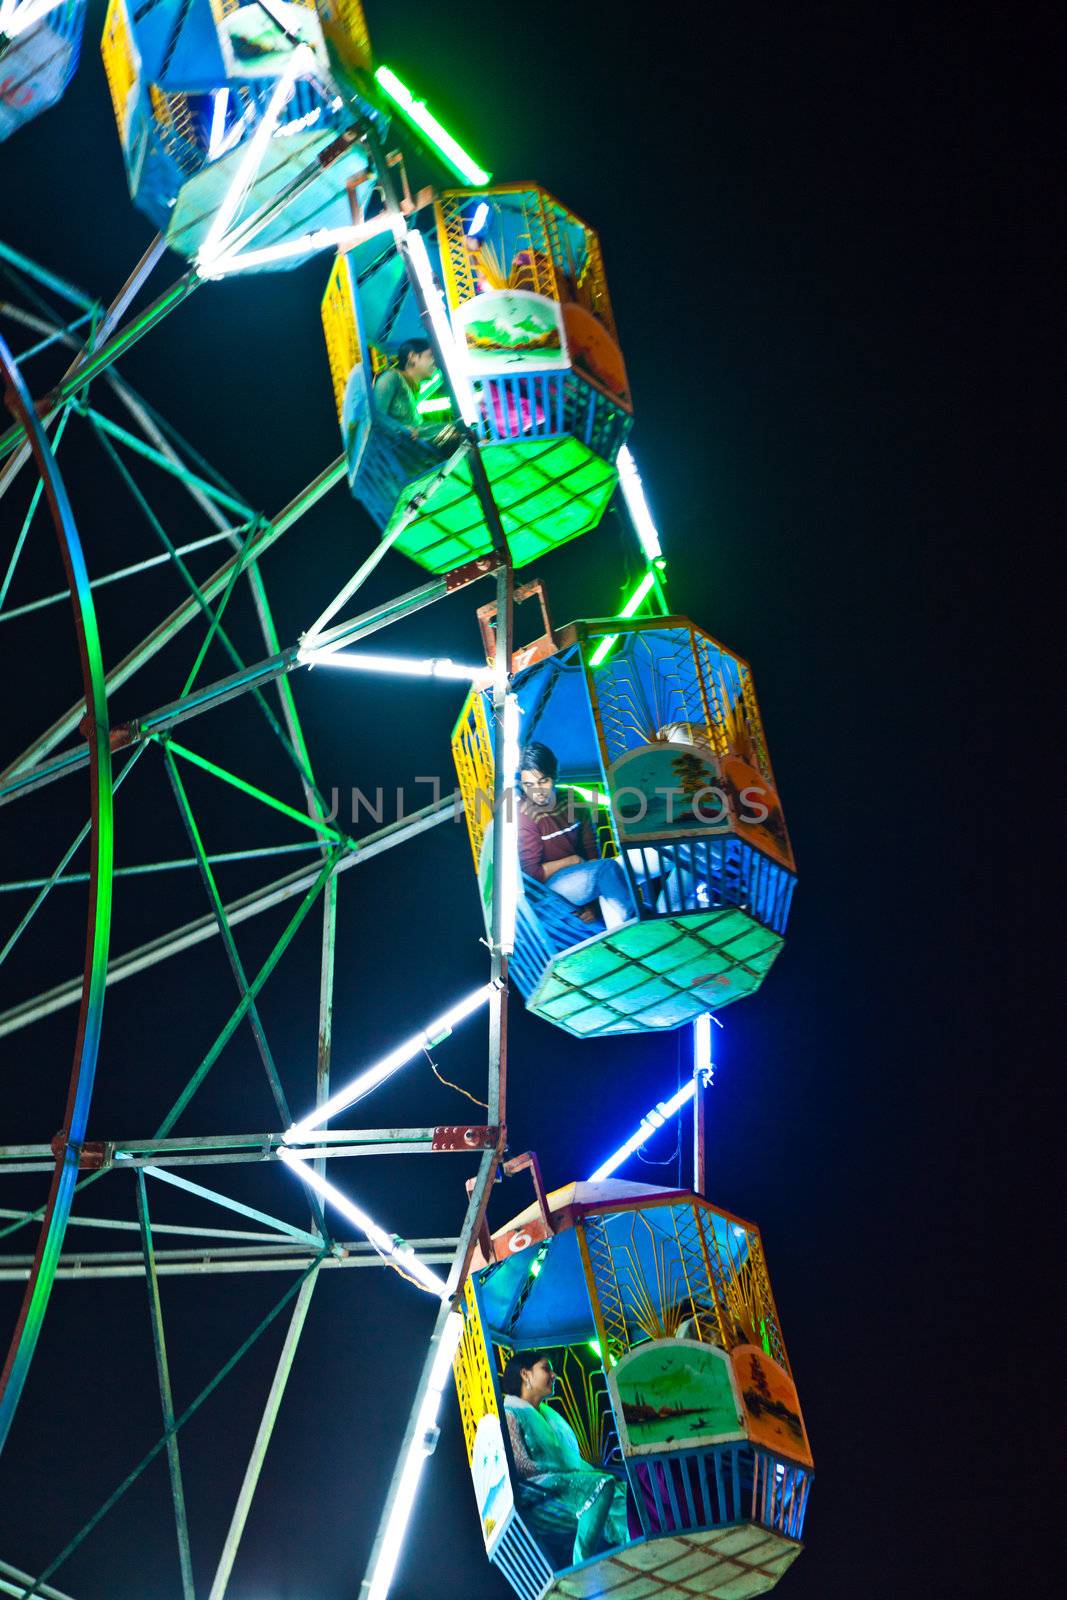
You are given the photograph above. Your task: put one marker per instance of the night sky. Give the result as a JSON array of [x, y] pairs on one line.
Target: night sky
[[790, 203]]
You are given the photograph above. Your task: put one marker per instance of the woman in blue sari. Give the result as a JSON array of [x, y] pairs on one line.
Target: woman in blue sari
[[574, 1509]]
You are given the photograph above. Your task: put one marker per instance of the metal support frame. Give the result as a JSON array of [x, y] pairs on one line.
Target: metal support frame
[[215, 1150], [232, 955], [223, 1259], [237, 911], [280, 1246], [15, 1582], [263, 1436], [400, 1496], [266, 535], [159, 1345], [698, 1133]]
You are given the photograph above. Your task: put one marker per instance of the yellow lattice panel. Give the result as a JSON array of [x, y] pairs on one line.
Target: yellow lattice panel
[[160, 104], [605, 1295], [717, 712], [173, 118], [345, 27], [339, 326], [472, 752], [710, 1303], [120, 60], [593, 284], [473, 1372], [761, 1298], [455, 257], [743, 1287], [754, 723], [709, 1318], [539, 272]]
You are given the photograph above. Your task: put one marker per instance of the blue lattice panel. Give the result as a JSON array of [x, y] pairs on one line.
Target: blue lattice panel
[[664, 970], [37, 59], [548, 405], [656, 974], [683, 1490], [701, 874]]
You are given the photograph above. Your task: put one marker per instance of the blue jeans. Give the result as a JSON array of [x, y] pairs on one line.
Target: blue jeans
[[604, 880]]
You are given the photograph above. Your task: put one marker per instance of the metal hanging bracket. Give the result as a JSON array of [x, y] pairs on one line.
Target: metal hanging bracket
[[546, 644]]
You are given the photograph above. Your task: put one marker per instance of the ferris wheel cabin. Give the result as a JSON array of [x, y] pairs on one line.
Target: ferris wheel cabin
[[39, 54], [658, 737], [530, 316], [193, 85], [656, 1312]]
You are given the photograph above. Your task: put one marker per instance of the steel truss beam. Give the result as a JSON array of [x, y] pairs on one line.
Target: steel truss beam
[[159, 1346], [403, 1484], [14, 1581], [216, 1150], [250, 1480], [19, 780], [83, 371], [284, 1256], [258, 544], [237, 911]]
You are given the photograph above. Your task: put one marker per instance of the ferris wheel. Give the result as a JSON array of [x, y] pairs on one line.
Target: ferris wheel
[[256, 138]]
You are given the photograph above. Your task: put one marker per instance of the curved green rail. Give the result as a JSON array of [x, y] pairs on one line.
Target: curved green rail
[[87, 1040]]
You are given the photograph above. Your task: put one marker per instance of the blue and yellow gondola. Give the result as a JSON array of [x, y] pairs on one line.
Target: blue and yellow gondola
[[190, 82], [657, 1312], [660, 732], [40, 45], [530, 315]]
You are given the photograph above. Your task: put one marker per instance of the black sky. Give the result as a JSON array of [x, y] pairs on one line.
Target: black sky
[[792, 203]]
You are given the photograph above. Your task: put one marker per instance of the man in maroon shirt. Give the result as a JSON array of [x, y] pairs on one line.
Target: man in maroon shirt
[[557, 845]]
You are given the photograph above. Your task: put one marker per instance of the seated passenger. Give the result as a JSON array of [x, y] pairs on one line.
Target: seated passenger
[[396, 393], [574, 1510], [557, 845]]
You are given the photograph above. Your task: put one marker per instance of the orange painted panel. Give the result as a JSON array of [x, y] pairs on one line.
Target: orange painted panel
[[772, 1410]]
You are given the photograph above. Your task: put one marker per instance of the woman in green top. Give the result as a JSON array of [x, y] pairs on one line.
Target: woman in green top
[[574, 1509], [396, 393]]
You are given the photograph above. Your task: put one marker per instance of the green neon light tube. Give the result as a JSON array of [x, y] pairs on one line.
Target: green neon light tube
[[422, 118], [441, 403], [588, 795], [627, 611]]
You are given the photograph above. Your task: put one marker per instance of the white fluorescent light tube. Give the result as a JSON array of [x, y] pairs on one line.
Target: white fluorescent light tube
[[652, 1120], [300, 61], [702, 1061], [218, 123], [507, 862], [634, 494], [308, 243], [415, 247], [421, 1446], [15, 22], [405, 666], [402, 1254], [397, 1058], [479, 220]]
